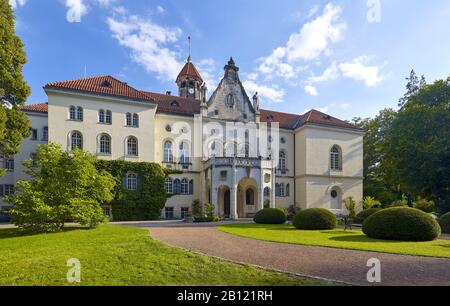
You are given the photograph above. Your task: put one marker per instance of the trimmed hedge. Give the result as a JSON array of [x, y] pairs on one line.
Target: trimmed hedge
[[402, 224], [270, 216], [362, 216], [444, 222], [147, 202], [315, 219]]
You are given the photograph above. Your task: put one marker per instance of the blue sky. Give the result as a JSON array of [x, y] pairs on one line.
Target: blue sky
[[348, 58]]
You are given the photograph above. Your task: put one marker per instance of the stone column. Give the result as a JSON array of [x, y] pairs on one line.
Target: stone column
[[272, 194], [233, 193], [261, 192]]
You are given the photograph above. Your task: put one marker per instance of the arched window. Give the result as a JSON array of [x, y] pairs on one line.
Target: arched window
[[230, 101], [108, 118], [176, 186], [101, 116], [129, 119], [76, 141], [169, 185], [288, 190], [79, 113], [250, 197], [282, 163], [132, 146], [105, 144], [168, 152], [73, 113], [267, 192], [184, 153], [336, 158], [191, 187], [135, 120], [184, 186], [132, 181]]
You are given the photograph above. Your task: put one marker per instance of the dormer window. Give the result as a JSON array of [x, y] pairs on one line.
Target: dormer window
[[106, 84], [175, 104], [270, 117]]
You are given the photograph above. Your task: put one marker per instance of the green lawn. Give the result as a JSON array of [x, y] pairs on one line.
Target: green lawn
[[354, 240], [113, 255]]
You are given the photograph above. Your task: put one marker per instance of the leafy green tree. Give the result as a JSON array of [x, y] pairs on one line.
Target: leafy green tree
[[412, 87], [416, 150], [63, 188], [14, 91]]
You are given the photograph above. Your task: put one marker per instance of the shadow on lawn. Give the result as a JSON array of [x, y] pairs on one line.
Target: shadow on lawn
[[15, 232]]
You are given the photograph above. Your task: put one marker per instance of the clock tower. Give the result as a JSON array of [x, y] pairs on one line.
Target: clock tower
[[190, 83]]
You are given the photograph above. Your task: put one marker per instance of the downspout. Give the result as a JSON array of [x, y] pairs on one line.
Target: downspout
[[295, 174]]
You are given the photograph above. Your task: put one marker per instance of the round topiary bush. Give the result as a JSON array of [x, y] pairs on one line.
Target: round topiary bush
[[403, 224], [315, 219], [362, 216], [444, 222], [270, 216]]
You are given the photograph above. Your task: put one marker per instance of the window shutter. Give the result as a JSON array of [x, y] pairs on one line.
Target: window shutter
[[191, 187], [177, 186], [139, 182]]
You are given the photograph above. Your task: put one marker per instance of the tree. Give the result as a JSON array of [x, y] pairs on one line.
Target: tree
[[65, 188], [417, 146], [14, 91], [412, 87]]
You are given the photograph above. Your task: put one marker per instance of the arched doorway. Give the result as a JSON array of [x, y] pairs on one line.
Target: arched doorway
[[336, 198], [225, 202], [247, 198]]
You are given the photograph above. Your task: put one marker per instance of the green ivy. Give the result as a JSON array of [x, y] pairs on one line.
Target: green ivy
[[147, 202]]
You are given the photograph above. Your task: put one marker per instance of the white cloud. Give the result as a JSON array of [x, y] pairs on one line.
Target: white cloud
[[312, 40], [311, 90], [323, 109], [15, 3], [207, 68], [149, 44], [345, 105], [357, 70], [160, 9], [77, 9], [313, 11], [252, 76], [330, 73], [105, 3], [272, 94]]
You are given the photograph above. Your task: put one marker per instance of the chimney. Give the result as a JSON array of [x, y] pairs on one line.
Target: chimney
[[169, 93]]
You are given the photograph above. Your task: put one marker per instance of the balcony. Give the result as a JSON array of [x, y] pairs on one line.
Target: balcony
[[243, 162]]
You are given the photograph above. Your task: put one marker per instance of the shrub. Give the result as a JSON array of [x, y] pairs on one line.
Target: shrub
[[196, 209], [291, 212], [209, 210], [425, 206], [444, 222], [350, 205], [206, 219], [362, 216], [315, 219], [270, 216], [403, 224], [399, 203], [370, 202]]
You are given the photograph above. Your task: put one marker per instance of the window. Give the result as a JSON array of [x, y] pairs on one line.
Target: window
[[107, 211], [250, 197], [34, 134], [105, 144], [132, 181], [108, 117], [184, 212], [191, 187], [132, 146], [336, 159], [334, 194], [279, 190], [129, 119], [168, 152], [169, 212], [76, 141], [79, 113], [101, 116], [223, 175], [267, 178], [6, 190], [135, 120], [288, 190], [169, 185], [9, 164], [184, 153], [184, 186], [176, 186], [282, 161], [267, 192], [230, 101], [73, 113], [45, 134]]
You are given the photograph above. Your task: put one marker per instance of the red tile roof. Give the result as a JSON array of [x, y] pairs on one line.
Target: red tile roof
[[175, 105], [286, 121], [38, 108], [102, 85], [190, 70], [316, 117]]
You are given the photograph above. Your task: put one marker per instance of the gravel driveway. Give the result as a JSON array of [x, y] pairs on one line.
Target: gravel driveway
[[333, 264]]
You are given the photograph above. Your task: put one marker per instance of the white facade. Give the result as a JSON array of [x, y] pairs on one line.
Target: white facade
[[229, 151]]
